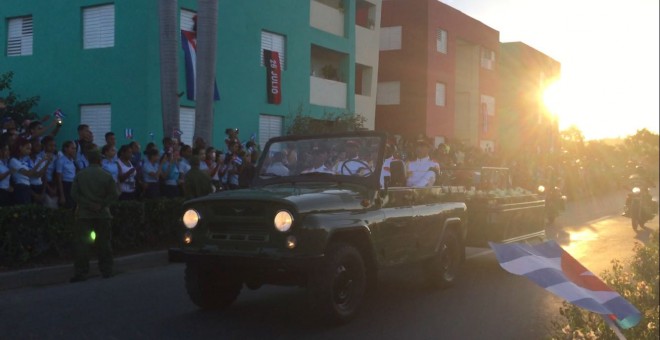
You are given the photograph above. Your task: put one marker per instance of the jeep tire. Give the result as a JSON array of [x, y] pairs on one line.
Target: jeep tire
[[441, 269], [338, 286], [208, 289]]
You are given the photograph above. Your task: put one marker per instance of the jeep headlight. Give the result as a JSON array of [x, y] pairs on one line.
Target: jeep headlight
[[541, 189], [190, 218], [283, 220], [636, 190]]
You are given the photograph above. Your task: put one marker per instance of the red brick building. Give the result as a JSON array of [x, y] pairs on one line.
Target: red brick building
[[437, 74]]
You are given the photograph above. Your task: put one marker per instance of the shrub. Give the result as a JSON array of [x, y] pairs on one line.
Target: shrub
[[638, 284], [33, 234]]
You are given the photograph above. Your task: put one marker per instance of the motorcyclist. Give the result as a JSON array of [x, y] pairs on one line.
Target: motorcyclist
[[640, 178]]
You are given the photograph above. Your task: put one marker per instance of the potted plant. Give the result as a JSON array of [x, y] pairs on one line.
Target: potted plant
[[330, 72]]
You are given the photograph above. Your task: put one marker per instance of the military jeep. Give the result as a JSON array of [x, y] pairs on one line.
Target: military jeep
[[322, 214]]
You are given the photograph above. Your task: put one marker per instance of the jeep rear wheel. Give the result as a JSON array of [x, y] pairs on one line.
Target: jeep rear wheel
[[338, 286], [441, 269], [208, 289]]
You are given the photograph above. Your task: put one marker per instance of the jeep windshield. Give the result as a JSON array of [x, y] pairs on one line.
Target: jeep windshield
[[343, 158]]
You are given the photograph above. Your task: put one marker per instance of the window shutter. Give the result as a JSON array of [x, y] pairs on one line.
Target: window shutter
[[273, 42], [186, 20], [98, 117], [187, 124], [440, 94], [19, 36], [99, 27], [441, 41], [269, 127], [390, 38], [389, 93]]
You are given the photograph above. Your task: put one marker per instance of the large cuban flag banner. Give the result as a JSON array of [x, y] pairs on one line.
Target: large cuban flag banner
[[551, 267], [189, 45]]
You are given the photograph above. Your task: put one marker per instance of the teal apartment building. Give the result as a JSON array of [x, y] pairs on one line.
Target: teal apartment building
[[98, 61]]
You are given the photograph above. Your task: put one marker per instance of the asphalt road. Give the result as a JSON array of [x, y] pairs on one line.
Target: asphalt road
[[486, 302]]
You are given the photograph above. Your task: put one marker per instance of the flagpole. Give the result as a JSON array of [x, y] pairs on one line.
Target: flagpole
[[615, 328]]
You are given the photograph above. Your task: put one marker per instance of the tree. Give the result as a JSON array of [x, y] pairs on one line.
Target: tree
[[329, 123], [15, 107], [207, 36], [169, 73]]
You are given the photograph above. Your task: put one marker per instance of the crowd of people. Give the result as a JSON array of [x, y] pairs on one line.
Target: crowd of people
[[34, 170]]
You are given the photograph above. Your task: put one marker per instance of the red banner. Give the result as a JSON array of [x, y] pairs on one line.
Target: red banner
[[273, 77]]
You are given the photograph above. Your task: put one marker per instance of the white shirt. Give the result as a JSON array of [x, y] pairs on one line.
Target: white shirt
[[278, 168], [322, 169], [419, 174], [354, 167]]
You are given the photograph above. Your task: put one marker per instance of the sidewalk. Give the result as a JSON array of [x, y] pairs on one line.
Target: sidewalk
[[580, 210], [62, 273]]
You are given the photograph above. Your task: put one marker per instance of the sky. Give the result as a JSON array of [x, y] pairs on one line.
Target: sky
[[608, 51]]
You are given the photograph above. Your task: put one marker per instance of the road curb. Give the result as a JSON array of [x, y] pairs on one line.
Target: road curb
[[62, 273]]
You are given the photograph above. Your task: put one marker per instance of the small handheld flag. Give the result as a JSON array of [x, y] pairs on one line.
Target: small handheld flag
[[59, 114], [129, 133], [177, 132], [151, 136], [551, 267]]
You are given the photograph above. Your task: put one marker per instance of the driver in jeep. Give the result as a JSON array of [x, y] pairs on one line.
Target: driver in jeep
[[353, 165]]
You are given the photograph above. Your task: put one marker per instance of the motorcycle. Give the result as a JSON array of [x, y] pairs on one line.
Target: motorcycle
[[555, 202], [640, 207]]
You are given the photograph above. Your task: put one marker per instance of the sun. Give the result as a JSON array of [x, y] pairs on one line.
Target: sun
[[553, 98]]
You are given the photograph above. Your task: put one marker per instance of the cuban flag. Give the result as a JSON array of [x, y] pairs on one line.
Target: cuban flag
[[59, 114], [189, 45], [551, 267]]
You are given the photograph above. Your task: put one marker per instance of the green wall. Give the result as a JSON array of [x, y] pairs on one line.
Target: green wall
[[127, 75]]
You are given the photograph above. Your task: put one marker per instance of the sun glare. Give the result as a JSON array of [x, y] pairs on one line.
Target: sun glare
[[552, 98]]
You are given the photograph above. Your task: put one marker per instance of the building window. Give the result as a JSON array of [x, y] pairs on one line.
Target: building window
[[440, 94], [98, 117], [441, 42], [273, 42], [187, 124], [390, 38], [19, 36], [487, 111], [186, 22], [269, 127], [363, 75], [99, 27], [389, 93], [487, 58]]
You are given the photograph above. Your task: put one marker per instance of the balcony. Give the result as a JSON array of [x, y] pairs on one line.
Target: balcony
[[327, 16], [326, 92]]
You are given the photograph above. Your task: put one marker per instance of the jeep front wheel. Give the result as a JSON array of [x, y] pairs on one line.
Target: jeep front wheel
[[208, 289], [338, 286], [441, 269]]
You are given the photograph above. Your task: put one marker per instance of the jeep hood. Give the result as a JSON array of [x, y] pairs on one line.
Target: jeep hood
[[305, 198]]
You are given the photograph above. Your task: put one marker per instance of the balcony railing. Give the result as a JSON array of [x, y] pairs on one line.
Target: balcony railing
[[326, 92], [326, 18]]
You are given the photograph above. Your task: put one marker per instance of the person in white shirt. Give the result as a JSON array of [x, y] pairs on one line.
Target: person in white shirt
[[422, 171], [319, 159], [353, 165], [277, 166]]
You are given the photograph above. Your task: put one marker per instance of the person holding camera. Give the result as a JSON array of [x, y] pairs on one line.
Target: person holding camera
[[232, 137], [169, 174]]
